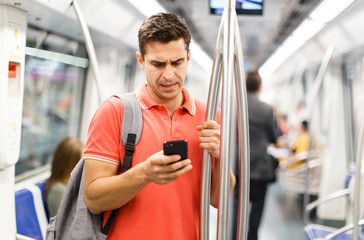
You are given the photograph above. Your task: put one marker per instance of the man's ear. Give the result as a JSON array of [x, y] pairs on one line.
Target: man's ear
[[188, 55], [140, 60]]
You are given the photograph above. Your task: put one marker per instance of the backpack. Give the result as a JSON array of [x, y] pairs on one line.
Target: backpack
[[73, 219]]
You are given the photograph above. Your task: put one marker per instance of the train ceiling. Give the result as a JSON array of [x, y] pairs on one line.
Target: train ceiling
[[260, 35], [117, 18]]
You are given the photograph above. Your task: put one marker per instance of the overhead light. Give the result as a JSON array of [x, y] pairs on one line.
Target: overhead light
[[147, 7], [296, 40], [328, 10], [307, 30], [290, 45]]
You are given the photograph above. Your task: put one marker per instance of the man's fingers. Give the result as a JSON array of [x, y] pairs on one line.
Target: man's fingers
[[173, 171], [210, 133], [210, 125], [160, 159]]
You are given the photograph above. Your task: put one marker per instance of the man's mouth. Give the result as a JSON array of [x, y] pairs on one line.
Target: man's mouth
[[169, 86]]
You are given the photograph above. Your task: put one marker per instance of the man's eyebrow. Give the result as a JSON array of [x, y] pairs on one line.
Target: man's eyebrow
[[161, 62], [179, 59], [157, 62]]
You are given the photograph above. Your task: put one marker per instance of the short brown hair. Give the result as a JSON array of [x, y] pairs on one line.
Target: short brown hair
[[163, 27], [253, 81]]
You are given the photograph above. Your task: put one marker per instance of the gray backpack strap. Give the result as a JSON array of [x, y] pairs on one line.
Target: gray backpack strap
[[132, 117], [131, 130]]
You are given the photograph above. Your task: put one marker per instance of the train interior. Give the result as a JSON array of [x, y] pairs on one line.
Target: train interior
[[309, 53]]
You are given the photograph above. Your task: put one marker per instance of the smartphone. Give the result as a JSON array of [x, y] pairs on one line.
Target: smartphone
[[176, 147]]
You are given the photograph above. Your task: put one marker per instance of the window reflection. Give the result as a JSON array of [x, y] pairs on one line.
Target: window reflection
[[51, 111]]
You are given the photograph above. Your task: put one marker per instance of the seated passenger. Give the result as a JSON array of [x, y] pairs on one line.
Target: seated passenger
[[65, 158], [285, 154], [300, 145]]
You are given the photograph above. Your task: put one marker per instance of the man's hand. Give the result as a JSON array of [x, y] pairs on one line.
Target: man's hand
[[163, 169], [210, 137]]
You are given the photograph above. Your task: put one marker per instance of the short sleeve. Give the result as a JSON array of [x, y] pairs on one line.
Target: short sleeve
[[103, 138]]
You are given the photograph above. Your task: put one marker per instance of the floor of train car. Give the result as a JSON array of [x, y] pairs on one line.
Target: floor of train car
[[282, 217]]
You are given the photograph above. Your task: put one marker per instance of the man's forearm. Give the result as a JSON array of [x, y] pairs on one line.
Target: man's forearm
[[215, 182], [108, 193]]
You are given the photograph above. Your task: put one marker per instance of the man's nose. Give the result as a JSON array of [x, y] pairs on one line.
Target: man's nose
[[168, 72]]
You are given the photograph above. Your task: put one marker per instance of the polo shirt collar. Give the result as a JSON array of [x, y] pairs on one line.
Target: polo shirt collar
[[146, 101]]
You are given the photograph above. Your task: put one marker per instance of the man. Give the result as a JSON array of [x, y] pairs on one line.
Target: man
[[159, 196], [262, 132]]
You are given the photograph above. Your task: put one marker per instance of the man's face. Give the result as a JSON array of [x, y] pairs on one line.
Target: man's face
[[165, 66]]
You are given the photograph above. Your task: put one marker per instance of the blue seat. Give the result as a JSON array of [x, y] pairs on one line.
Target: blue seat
[[320, 232], [315, 231], [31, 218], [41, 186]]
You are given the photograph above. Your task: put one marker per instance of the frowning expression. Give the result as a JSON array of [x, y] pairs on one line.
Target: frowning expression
[[165, 66]]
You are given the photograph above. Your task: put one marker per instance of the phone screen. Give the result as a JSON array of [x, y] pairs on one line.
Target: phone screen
[[176, 147]]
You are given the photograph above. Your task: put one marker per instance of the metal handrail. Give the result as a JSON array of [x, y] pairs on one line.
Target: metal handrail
[[344, 192], [228, 62], [316, 89], [320, 76], [327, 198], [243, 136], [344, 229], [227, 85], [357, 177], [90, 48]]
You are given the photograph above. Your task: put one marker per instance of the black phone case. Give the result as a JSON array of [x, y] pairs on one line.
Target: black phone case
[[176, 147]]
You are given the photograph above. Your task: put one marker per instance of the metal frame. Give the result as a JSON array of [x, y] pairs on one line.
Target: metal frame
[[228, 63], [90, 48], [316, 90], [357, 183]]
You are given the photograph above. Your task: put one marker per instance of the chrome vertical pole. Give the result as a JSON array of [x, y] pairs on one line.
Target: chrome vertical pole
[[90, 48], [357, 179], [210, 115], [207, 161], [227, 86], [243, 133], [228, 63]]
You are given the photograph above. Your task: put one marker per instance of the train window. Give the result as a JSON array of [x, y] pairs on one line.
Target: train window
[[53, 93]]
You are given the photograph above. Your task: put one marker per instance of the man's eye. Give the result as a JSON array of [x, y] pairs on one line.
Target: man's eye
[[176, 63], [158, 64]]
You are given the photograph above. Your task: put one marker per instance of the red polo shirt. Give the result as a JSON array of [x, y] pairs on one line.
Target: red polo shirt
[[170, 211]]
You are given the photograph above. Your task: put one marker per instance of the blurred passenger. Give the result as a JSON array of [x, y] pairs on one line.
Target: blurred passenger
[[282, 122], [65, 158], [301, 144], [263, 131], [159, 197]]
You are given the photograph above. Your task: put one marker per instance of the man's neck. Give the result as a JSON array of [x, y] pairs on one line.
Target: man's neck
[[172, 106]]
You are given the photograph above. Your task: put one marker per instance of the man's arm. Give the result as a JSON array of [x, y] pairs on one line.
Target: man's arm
[[105, 189], [210, 140]]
